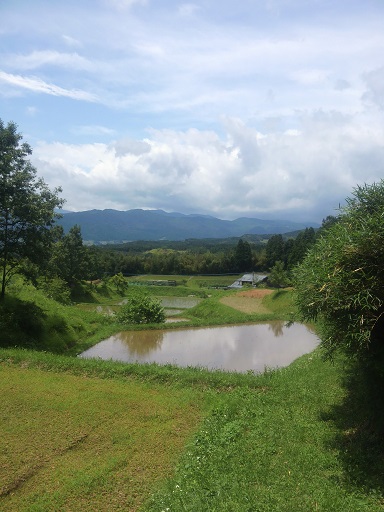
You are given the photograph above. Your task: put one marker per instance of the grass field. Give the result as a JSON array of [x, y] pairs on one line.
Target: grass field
[[92, 435], [191, 282]]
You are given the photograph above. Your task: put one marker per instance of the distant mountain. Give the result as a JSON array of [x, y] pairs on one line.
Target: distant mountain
[[118, 226]]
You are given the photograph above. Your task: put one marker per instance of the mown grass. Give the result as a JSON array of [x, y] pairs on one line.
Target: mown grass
[[82, 443]]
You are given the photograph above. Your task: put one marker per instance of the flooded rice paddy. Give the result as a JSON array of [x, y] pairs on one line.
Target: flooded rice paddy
[[239, 348]]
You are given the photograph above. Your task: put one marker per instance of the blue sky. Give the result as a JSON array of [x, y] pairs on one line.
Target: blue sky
[[257, 108]]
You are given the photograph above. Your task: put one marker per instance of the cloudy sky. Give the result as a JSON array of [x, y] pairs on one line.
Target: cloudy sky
[[257, 108]]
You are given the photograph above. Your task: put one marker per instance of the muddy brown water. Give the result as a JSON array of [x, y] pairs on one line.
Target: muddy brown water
[[239, 348]]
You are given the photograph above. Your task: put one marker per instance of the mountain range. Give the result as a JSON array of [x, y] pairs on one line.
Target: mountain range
[[102, 226]]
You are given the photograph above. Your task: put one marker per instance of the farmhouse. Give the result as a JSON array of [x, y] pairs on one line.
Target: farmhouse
[[250, 279]]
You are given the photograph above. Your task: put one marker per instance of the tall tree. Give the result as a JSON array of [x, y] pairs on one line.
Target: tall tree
[[275, 250], [340, 283], [27, 207], [296, 253], [70, 259], [243, 256]]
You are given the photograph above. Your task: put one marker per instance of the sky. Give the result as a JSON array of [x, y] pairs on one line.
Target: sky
[[254, 108]]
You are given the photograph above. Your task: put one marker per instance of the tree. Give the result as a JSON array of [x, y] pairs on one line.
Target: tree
[[274, 250], [296, 252], [119, 281], [69, 257], [243, 256], [27, 207], [278, 276], [341, 281]]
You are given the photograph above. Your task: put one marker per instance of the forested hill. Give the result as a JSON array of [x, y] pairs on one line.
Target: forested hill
[[119, 226]]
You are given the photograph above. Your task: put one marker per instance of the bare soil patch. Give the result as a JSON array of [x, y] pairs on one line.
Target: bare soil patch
[[249, 301], [257, 294]]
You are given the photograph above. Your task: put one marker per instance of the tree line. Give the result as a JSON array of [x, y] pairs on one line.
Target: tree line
[[73, 260]]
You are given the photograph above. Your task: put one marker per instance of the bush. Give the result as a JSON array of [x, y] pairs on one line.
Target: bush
[[141, 309], [278, 278], [25, 324], [21, 322], [56, 289], [341, 281]]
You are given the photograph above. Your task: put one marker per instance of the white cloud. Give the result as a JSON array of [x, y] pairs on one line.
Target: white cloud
[[37, 85], [130, 146], [37, 59], [375, 84], [32, 111], [302, 174], [188, 10], [71, 41], [310, 76]]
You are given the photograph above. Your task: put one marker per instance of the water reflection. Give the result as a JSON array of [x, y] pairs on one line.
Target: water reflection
[[277, 328], [142, 345], [235, 348]]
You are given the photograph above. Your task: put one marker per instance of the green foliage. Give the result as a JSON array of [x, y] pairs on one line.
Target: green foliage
[[274, 250], [69, 259], [29, 318], [27, 207], [55, 288], [341, 282], [141, 309], [119, 282], [295, 250], [25, 324], [243, 256], [278, 277]]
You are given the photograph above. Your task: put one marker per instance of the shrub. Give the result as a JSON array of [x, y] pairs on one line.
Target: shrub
[[25, 324], [56, 289], [141, 309], [341, 281]]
